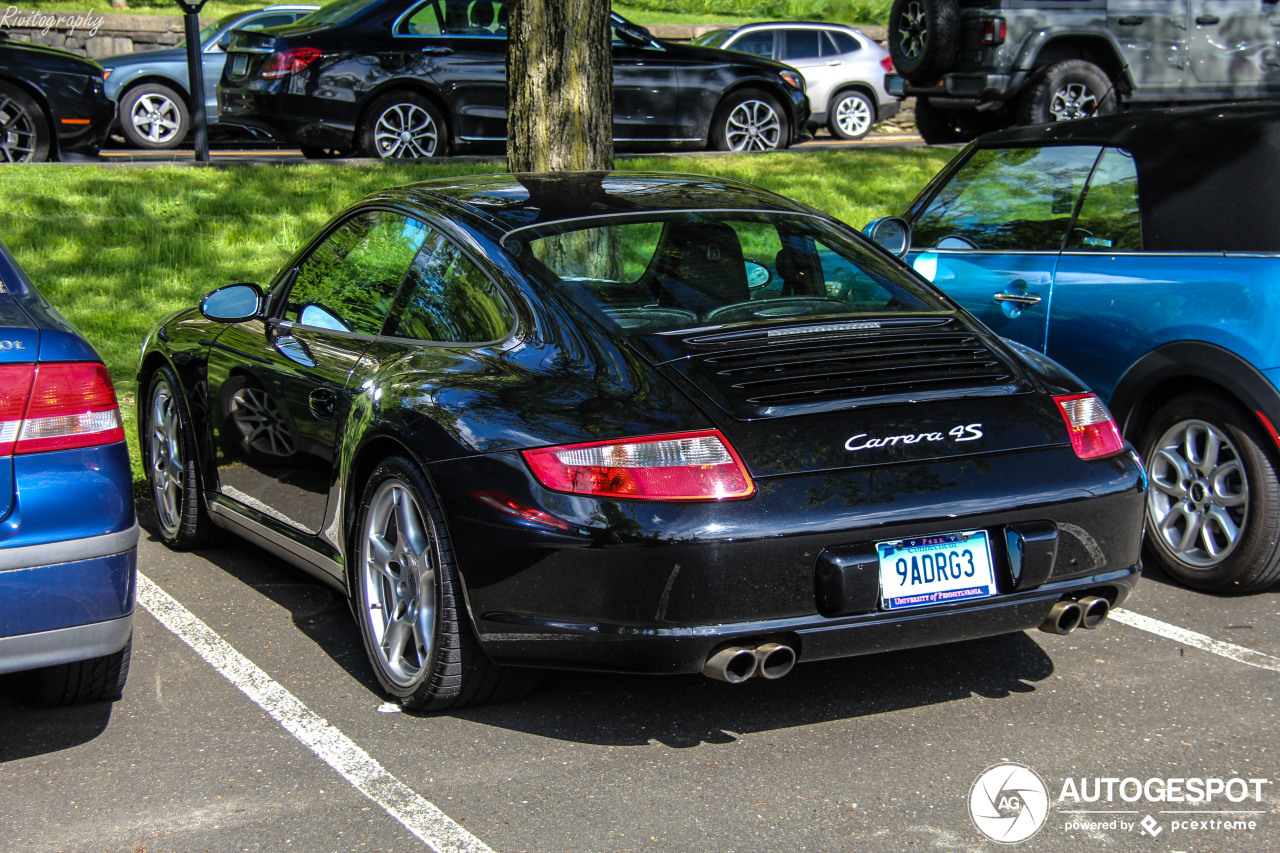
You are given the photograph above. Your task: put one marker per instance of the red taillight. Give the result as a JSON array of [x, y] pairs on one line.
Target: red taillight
[[993, 31], [291, 61], [57, 406], [1093, 431], [887, 64], [687, 466]]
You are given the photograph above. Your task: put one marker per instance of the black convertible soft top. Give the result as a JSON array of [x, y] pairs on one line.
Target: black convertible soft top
[[1207, 176]]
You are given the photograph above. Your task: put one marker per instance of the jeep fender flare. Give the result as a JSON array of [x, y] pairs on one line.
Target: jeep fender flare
[[1053, 44], [1182, 365]]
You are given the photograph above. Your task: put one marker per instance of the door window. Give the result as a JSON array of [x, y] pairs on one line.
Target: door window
[[348, 282], [422, 21], [1109, 220], [758, 43], [1010, 199], [803, 44], [451, 299]]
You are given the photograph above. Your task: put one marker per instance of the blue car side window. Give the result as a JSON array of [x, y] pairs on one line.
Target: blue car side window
[[1109, 220]]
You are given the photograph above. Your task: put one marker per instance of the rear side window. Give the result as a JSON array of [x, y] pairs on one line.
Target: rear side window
[[1008, 199], [844, 42], [803, 44], [451, 300], [1109, 220]]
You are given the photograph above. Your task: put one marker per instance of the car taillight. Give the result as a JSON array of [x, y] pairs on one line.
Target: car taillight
[[687, 466], [1093, 431], [993, 31], [57, 406], [291, 61], [887, 64]]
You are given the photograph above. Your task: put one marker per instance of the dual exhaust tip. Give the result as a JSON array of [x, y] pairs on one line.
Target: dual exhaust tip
[[735, 664], [1069, 613]]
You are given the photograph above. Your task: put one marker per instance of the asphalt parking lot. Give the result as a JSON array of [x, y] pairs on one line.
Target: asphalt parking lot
[[252, 721]]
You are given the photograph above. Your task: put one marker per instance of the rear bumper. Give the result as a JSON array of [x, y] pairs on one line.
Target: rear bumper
[[959, 89]]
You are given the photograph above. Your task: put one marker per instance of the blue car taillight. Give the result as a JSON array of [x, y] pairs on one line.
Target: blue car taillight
[[57, 406]]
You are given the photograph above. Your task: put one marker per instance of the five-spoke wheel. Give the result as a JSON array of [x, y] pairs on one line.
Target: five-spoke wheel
[[154, 116]]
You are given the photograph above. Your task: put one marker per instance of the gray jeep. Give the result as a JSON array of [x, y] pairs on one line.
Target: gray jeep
[[979, 65]]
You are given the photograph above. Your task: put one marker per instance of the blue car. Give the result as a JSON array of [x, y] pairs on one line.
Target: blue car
[[1141, 252], [153, 88], [68, 533]]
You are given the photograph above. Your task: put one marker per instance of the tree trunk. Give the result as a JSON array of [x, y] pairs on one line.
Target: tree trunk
[[559, 86]]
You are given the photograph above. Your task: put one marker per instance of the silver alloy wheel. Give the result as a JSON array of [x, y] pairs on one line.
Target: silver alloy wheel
[[405, 130], [398, 571], [166, 465], [1198, 502], [17, 132], [853, 115], [753, 125], [913, 30], [156, 118], [1073, 100], [260, 422]]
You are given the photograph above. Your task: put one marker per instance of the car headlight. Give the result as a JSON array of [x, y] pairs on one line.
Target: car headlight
[[793, 78]]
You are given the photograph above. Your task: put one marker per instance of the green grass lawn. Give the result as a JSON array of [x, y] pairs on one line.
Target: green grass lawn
[[117, 248]]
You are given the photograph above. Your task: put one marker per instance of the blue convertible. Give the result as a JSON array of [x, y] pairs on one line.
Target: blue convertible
[[1141, 252]]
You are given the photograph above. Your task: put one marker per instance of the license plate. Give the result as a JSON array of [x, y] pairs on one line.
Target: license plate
[[895, 85], [938, 569], [239, 62]]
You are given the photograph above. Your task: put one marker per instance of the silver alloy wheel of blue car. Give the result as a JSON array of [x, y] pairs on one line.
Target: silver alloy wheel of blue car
[[157, 118], [1198, 502], [753, 125], [398, 573], [165, 463], [405, 130]]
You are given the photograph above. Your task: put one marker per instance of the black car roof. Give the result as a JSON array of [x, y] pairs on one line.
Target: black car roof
[[1202, 171], [511, 201]]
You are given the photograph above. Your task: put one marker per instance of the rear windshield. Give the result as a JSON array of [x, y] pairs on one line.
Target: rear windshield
[[652, 273], [336, 13]]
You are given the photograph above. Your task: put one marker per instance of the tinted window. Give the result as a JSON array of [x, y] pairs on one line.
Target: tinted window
[[1108, 219], [349, 281], [270, 21], [422, 21], [667, 272], [844, 42], [759, 43], [474, 17], [1015, 199], [802, 44], [338, 12], [451, 299]]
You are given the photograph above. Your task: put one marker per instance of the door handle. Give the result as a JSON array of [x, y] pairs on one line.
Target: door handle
[[323, 402], [1017, 298], [438, 51], [1130, 21], [1207, 21]]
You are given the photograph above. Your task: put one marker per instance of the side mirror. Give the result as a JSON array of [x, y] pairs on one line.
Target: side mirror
[[233, 303], [890, 232]]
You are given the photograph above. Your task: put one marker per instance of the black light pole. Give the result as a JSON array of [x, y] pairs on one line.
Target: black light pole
[[195, 70]]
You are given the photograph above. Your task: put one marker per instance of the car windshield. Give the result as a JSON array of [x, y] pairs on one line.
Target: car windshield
[[652, 273], [715, 38], [336, 13]]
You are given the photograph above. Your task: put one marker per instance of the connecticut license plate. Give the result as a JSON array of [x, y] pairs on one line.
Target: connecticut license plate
[[935, 569]]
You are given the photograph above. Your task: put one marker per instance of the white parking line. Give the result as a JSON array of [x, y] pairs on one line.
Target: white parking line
[[432, 826], [1200, 641]]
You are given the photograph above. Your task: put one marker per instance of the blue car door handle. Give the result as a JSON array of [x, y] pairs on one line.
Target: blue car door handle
[[1018, 298]]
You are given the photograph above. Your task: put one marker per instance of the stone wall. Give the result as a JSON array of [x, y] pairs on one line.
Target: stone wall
[[93, 35]]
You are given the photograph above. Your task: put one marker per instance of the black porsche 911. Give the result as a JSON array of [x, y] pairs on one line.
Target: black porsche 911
[[635, 423]]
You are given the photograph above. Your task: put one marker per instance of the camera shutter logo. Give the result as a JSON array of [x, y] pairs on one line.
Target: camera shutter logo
[[1008, 803]]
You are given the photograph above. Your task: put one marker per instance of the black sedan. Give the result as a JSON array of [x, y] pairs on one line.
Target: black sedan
[[421, 78], [51, 103], [636, 423]]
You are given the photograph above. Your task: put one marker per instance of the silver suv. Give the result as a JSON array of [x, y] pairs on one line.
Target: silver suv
[[978, 65], [843, 70]]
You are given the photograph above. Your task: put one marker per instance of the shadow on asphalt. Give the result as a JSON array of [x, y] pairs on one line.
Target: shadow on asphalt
[[25, 732]]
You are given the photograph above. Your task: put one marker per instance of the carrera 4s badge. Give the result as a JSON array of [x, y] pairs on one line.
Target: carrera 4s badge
[[963, 432]]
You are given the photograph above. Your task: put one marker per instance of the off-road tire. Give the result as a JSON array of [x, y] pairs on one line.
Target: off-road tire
[[924, 37]]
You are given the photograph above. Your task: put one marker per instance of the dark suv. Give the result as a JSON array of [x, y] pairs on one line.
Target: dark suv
[[978, 65]]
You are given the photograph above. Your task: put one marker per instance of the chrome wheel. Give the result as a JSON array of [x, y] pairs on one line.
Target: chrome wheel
[[260, 422], [165, 463], [398, 574], [405, 130], [1198, 502], [1073, 100], [19, 136], [913, 30], [157, 119], [753, 125], [853, 117]]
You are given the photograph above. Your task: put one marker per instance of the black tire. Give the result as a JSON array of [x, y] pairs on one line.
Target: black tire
[[946, 126], [154, 116], [1213, 478], [24, 131], [1066, 90], [416, 631], [750, 120], [403, 112], [924, 36], [851, 115], [76, 683], [169, 456]]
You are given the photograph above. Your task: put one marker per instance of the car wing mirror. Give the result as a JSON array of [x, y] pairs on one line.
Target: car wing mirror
[[233, 303], [892, 233]]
